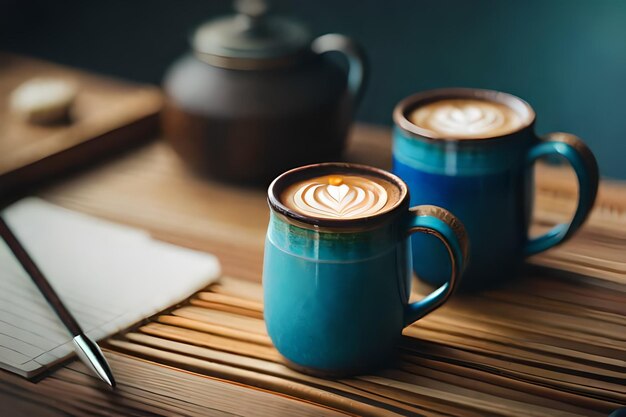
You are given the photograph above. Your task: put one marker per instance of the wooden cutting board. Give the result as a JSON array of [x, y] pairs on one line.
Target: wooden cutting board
[[108, 115]]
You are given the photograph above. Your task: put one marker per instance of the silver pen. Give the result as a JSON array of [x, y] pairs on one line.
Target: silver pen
[[88, 351]]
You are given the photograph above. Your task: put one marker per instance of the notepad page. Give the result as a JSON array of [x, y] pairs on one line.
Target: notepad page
[[108, 275]]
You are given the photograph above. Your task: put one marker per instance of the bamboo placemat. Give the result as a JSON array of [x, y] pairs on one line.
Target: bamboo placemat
[[550, 343]]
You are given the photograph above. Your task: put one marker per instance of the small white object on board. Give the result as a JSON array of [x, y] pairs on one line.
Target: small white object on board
[[43, 100]]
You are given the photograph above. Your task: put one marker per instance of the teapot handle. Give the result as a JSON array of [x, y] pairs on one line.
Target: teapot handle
[[357, 65]]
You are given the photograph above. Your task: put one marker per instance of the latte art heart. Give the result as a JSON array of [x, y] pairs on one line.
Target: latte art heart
[[353, 197], [466, 118]]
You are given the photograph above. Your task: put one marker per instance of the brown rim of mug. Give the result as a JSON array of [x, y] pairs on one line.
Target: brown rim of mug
[[289, 177], [408, 104]]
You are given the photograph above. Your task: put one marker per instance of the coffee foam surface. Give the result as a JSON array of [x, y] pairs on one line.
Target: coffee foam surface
[[466, 118], [340, 196]]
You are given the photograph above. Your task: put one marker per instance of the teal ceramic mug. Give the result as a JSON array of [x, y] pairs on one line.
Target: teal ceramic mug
[[337, 267], [472, 151]]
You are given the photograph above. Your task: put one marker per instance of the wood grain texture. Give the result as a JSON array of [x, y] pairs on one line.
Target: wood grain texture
[[143, 389], [478, 355], [551, 343]]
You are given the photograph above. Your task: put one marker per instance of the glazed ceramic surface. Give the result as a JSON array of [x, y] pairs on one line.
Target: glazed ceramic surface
[[488, 183], [336, 292]]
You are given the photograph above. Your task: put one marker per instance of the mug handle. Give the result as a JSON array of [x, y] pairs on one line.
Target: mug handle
[[357, 64], [579, 156], [450, 231]]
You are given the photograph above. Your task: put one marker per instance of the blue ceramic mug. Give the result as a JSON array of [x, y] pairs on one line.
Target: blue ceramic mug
[[486, 180], [336, 290]]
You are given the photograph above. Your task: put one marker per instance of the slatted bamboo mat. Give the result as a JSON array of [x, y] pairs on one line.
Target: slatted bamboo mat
[[550, 343]]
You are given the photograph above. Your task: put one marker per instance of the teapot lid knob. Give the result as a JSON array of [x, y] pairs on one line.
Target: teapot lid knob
[[251, 15], [251, 8]]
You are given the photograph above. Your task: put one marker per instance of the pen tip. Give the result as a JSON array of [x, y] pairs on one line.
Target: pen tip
[[111, 382], [89, 352]]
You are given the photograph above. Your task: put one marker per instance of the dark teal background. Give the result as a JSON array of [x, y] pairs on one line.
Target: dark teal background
[[566, 57]]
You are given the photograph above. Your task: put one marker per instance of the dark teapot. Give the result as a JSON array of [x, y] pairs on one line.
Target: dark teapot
[[256, 96]]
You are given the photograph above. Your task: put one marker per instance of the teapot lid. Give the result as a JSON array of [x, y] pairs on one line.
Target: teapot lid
[[250, 39]]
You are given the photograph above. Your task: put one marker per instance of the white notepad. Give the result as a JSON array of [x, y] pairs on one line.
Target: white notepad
[[109, 276]]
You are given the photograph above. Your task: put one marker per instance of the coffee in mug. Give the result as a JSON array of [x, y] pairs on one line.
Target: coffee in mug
[[337, 266], [466, 118], [340, 196], [471, 151]]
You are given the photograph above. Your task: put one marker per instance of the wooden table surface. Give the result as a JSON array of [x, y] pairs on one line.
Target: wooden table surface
[[150, 188]]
